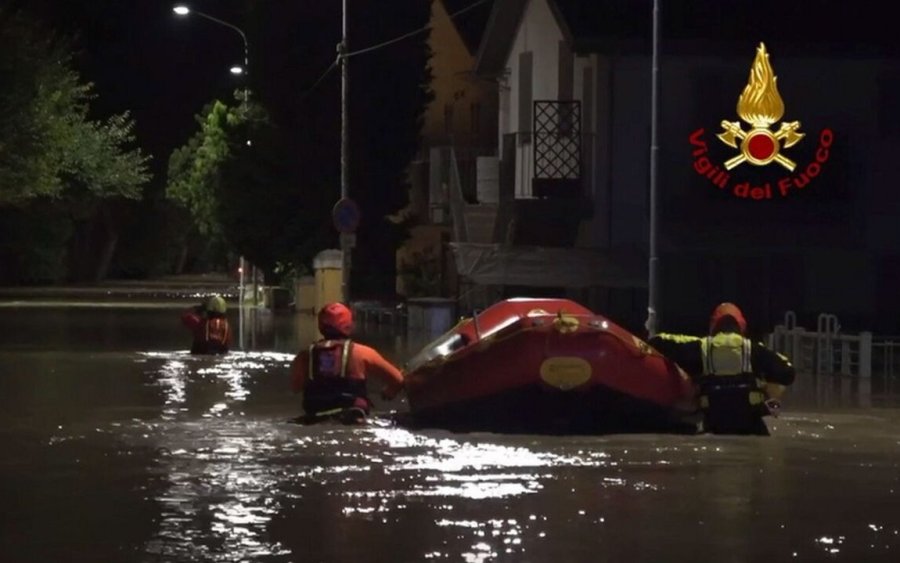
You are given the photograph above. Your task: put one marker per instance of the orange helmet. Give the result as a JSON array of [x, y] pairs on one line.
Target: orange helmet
[[727, 310], [335, 318]]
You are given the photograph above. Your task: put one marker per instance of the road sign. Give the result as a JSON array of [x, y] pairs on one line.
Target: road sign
[[345, 215]]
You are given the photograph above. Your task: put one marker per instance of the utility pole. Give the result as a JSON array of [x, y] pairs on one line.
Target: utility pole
[[653, 270], [345, 168]]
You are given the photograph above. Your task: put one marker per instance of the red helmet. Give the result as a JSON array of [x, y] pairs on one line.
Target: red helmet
[[335, 317], [727, 310]]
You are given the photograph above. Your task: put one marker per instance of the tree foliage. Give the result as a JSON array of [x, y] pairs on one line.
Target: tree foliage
[[195, 169], [48, 143]]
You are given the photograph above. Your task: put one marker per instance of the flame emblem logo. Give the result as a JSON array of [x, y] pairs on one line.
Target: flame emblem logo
[[760, 106]]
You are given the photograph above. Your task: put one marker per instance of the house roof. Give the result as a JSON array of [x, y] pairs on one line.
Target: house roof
[[499, 33], [471, 23], [825, 27]]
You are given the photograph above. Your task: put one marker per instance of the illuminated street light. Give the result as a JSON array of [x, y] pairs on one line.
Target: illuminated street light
[[183, 10], [236, 69]]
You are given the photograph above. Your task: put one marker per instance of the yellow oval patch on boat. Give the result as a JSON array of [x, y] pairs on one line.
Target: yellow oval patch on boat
[[565, 372]]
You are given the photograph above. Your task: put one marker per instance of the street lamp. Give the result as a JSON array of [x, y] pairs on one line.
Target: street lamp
[[182, 10]]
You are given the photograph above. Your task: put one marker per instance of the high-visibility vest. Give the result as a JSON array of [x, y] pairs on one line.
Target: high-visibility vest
[[726, 362], [726, 354]]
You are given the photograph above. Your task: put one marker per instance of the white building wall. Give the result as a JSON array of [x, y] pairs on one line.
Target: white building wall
[[539, 34]]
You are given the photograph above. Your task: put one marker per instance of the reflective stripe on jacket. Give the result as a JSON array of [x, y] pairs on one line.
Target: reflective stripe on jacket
[[330, 382], [329, 358], [217, 333], [726, 354], [727, 368]]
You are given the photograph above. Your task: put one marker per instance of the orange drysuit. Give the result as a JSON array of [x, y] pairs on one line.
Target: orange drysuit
[[332, 374]]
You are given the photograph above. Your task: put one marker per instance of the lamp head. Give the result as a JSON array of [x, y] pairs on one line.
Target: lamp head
[[181, 10]]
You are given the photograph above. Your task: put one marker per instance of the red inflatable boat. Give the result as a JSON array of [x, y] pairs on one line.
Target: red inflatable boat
[[546, 366]]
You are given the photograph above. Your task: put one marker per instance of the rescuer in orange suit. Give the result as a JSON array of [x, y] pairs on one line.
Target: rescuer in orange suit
[[332, 372], [739, 380], [207, 321]]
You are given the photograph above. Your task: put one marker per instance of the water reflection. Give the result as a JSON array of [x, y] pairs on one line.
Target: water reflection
[[217, 501], [123, 454]]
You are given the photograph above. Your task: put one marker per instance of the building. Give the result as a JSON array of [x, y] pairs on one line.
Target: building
[[811, 229], [462, 116]]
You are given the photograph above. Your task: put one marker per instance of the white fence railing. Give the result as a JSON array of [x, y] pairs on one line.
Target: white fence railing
[[828, 351]]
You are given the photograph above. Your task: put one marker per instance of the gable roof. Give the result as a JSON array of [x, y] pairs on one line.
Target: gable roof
[[499, 33], [470, 24]]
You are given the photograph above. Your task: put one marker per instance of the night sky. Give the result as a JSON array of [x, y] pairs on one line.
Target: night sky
[[163, 68], [159, 66]]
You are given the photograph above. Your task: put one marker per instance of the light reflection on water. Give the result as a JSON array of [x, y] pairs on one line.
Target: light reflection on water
[[217, 503], [142, 452]]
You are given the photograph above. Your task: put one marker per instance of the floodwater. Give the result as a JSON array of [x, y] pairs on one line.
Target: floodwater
[[119, 446]]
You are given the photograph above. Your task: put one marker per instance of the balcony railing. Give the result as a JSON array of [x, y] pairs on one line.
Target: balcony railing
[[557, 149], [520, 173]]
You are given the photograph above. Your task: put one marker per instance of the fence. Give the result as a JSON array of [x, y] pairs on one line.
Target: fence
[[828, 351]]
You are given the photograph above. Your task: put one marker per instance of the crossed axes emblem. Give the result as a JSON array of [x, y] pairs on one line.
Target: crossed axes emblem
[[789, 132]]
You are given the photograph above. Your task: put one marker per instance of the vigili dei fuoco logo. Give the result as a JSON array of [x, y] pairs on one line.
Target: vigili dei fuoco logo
[[760, 106]]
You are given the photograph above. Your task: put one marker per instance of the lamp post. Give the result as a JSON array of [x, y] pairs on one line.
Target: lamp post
[[653, 266], [183, 10]]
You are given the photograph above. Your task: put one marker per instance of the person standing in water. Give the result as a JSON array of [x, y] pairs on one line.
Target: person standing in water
[[332, 373], [739, 380], [209, 325]]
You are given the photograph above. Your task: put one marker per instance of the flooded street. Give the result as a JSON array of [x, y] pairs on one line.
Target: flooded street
[[120, 446]]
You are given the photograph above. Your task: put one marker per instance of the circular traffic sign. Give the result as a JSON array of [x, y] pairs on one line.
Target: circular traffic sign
[[345, 215]]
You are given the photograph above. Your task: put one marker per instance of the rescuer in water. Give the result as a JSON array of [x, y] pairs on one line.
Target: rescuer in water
[[333, 371], [739, 381], [207, 321]]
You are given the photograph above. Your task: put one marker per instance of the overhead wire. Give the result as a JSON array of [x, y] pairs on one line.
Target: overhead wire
[[415, 32], [331, 67], [383, 44]]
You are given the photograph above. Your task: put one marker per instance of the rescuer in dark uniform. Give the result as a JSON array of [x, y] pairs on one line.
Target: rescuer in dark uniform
[[739, 381], [332, 372]]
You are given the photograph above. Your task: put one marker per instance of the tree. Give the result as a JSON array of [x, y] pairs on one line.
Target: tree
[[47, 142], [195, 169], [56, 163], [396, 80]]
